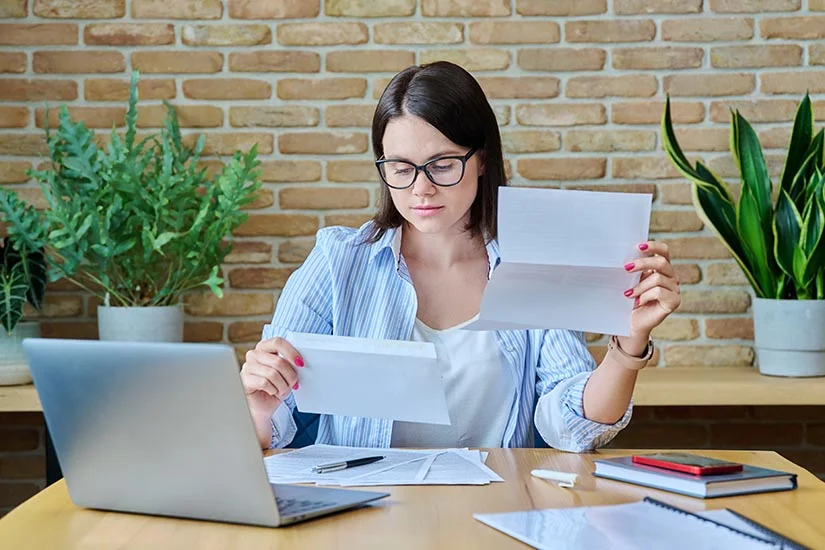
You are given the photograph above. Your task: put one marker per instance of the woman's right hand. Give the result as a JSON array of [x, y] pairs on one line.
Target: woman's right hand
[[268, 375]]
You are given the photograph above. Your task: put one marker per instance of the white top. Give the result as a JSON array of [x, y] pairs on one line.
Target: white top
[[480, 391]]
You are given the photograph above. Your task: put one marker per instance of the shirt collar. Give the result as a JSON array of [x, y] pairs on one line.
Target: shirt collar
[[392, 240]]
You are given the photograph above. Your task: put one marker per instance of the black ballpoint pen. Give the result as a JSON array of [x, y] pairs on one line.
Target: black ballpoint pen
[[335, 466]]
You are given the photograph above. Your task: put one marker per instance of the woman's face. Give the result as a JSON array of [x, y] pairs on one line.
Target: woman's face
[[426, 206]]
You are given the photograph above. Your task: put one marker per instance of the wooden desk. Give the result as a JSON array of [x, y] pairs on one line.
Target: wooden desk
[[412, 517]]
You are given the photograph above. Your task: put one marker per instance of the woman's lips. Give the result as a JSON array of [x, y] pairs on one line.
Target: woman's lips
[[427, 210]]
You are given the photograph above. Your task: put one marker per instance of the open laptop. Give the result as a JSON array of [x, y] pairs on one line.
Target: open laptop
[[164, 429]]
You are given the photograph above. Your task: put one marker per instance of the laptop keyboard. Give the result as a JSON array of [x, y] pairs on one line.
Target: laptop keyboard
[[294, 506]]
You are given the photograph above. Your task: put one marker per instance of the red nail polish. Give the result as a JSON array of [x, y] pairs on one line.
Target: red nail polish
[[295, 387], [643, 246], [637, 301], [628, 292], [629, 266], [299, 361]]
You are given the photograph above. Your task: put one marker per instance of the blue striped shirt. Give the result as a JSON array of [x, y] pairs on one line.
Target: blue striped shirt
[[349, 287]]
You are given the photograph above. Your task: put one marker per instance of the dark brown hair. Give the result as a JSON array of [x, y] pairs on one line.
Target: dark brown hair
[[448, 98]]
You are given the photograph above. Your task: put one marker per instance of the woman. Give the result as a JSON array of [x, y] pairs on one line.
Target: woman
[[418, 270]]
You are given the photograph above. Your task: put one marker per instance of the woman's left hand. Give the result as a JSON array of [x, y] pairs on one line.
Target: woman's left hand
[[657, 294]]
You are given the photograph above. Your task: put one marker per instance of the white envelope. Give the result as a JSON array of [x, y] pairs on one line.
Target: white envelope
[[364, 377], [562, 260]]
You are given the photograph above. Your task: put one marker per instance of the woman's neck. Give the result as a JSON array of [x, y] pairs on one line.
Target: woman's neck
[[441, 250]]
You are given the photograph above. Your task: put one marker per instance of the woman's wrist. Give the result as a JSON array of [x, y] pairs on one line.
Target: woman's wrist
[[635, 346]]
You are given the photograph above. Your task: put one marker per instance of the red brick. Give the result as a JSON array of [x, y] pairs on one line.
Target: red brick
[[530, 141], [612, 86], [728, 327], [86, 61], [14, 117], [226, 35], [657, 58], [348, 220], [707, 30], [727, 273], [714, 301], [109, 89], [637, 167], [189, 116], [502, 87], [267, 9], [375, 8], [475, 59], [465, 8], [14, 62], [80, 9], [615, 30], [687, 274], [703, 139], [48, 34], [202, 332], [698, 248], [29, 145], [351, 171], [514, 32], [760, 110], [275, 117], [278, 225], [561, 8], [713, 356], [246, 331], [295, 250], [228, 144], [650, 112], [674, 220], [177, 62], [755, 56], [642, 7], [322, 34], [177, 9], [323, 143], [795, 28], [562, 169], [13, 8], [232, 304], [285, 171], [323, 198], [259, 277], [226, 88], [249, 252], [560, 114], [14, 172], [753, 6], [561, 59], [321, 88], [709, 84], [610, 140], [92, 117], [810, 81], [419, 32], [275, 61], [129, 34], [359, 61], [349, 116]]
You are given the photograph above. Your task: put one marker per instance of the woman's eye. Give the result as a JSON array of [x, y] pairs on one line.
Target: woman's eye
[[441, 167], [402, 171]]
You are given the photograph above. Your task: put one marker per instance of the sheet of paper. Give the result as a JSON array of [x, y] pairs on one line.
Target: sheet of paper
[[362, 377], [562, 260], [620, 527], [400, 467]]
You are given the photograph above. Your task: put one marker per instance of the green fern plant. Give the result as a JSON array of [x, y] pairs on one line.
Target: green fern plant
[[22, 261], [778, 243], [138, 223]]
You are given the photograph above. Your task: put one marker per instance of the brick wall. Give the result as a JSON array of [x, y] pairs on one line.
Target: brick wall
[[578, 87]]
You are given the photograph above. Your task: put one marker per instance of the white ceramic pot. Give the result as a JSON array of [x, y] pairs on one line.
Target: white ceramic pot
[[14, 368], [789, 337], [141, 324]]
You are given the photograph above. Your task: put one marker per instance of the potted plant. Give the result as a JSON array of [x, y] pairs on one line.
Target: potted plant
[[775, 234], [140, 224], [22, 279]]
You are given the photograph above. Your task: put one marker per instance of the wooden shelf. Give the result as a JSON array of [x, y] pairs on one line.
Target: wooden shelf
[[665, 386], [724, 386], [19, 399]]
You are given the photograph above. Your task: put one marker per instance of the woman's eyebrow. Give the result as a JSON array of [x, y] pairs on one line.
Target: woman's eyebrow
[[445, 153]]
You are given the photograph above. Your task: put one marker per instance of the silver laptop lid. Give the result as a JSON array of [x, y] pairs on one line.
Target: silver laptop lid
[[155, 428]]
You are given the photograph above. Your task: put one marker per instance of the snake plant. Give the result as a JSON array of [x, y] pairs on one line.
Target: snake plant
[[774, 234]]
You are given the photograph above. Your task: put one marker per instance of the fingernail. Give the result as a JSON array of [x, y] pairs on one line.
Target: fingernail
[[637, 301], [295, 387], [643, 246], [629, 266], [299, 361], [628, 292]]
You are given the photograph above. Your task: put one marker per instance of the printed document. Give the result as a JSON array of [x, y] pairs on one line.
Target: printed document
[[371, 378], [399, 467], [562, 260]]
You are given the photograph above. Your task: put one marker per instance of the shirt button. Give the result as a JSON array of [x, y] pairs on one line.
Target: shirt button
[[509, 348]]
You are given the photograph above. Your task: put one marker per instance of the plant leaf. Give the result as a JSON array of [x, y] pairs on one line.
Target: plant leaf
[[787, 225], [12, 297], [803, 132], [754, 240]]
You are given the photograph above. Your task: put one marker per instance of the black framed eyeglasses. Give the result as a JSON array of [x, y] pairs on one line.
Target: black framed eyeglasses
[[442, 171]]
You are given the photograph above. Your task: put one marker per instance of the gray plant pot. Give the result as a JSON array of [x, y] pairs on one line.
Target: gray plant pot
[[141, 324], [14, 368], [790, 337]]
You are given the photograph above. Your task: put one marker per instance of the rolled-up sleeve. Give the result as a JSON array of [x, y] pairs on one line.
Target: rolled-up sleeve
[[305, 305], [565, 366]]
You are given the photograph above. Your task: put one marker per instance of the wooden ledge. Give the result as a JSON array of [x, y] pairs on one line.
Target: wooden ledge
[[663, 386]]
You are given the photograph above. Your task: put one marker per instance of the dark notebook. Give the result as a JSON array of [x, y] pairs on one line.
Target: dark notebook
[[750, 480]]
